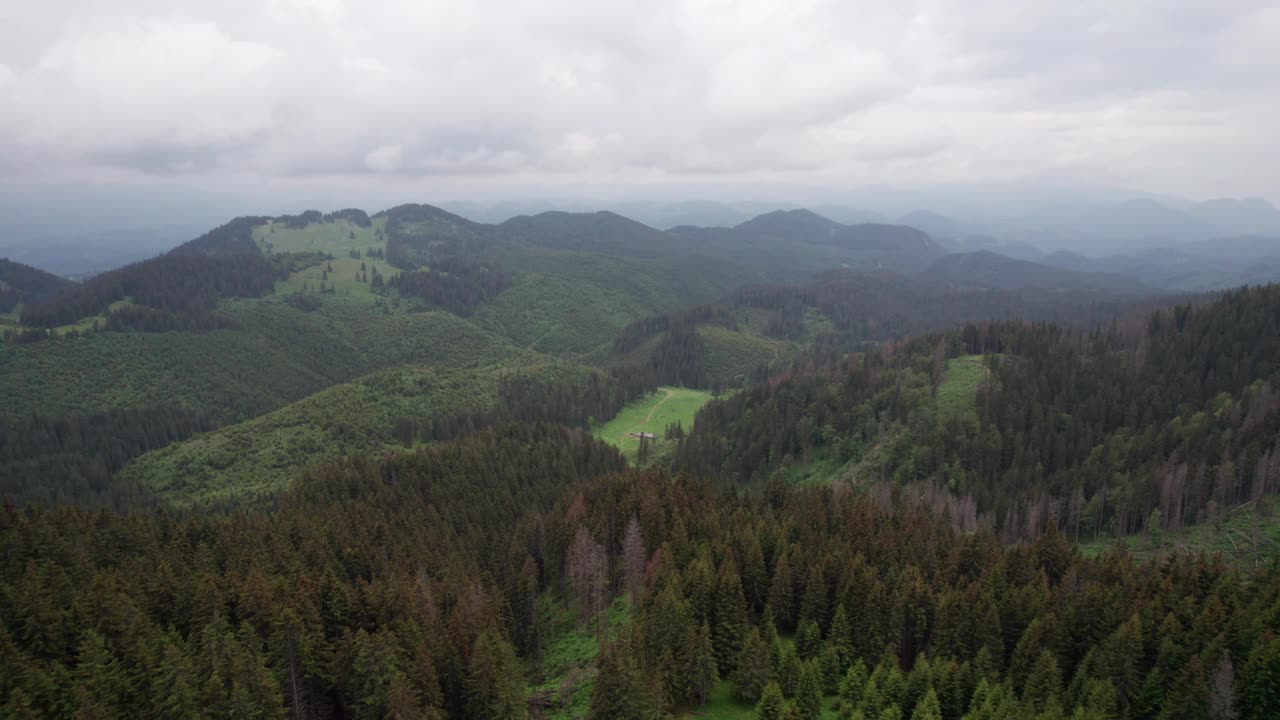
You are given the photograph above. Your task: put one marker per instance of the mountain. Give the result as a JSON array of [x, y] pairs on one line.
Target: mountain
[[1239, 216], [868, 245], [988, 270], [599, 232], [1008, 248], [938, 226], [1196, 266], [21, 283]]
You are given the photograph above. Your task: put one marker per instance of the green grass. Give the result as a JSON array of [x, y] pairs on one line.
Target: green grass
[[822, 467], [334, 238], [958, 392], [652, 414], [1235, 538], [721, 705], [262, 455], [565, 674], [328, 237]]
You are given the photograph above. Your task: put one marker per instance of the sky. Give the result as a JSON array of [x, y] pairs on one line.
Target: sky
[[424, 98]]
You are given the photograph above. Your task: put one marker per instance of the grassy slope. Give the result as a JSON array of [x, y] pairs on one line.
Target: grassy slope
[[1234, 539], [958, 391], [566, 671], [260, 456], [652, 414], [334, 238]]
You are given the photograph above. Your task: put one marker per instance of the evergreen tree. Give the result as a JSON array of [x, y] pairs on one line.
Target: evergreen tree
[[620, 692], [754, 668], [1043, 683], [701, 674], [495, 682], [1260, 682], [928, 708], [773, 706], [808, 695]]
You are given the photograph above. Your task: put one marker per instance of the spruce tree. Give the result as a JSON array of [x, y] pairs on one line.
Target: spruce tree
[[808, 695], [928, 708], [754, 668], [495, 681], [773, 706], [701, 674]]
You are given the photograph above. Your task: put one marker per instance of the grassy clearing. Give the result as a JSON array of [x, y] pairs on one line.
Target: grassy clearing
[[958, 392], [721, 705], [1235, 538], [338, 239], [652, 415], [821, 468], [335, 238], [566, 672]]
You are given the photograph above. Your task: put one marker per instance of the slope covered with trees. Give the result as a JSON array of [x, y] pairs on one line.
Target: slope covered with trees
[[1175, 412], [409, 587]]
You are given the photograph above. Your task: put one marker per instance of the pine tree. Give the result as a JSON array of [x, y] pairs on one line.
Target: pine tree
[[701, 674], [754, 668], [851, 687], [620, 691], [730, 618], [840, 635], [1044, 682], [495, 681], [1260, 681], [773, 706], [928, 708], [808, 695]]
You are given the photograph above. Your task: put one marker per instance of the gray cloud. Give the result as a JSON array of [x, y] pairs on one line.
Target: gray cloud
[[1170, 95]]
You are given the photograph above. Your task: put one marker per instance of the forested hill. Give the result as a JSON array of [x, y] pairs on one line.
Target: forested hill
[[25, 284], [1175, 413]]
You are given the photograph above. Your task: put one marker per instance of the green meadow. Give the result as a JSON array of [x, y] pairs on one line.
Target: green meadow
[[652, 415]]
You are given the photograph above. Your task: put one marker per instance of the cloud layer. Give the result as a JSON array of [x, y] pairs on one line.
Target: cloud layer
[[1169, 95]]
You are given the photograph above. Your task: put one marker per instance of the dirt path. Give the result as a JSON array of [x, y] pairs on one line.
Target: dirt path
[[654, 409]]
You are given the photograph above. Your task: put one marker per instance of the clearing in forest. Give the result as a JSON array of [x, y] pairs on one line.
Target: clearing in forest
[[958, 392], [652, 414]]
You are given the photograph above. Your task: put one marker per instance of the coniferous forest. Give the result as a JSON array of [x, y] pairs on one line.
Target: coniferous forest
[[242, 480]]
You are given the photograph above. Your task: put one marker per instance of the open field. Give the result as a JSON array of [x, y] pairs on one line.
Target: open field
[[958, 392], [652, 415]]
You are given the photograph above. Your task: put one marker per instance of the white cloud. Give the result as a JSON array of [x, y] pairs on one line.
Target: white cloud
[[1172, 95]]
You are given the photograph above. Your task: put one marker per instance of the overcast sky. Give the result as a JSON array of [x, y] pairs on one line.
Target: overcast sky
[[1166, 96]]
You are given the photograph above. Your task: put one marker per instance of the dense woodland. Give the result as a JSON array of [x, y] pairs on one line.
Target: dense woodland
[[452, 285], [1175, 411], [408, 588]]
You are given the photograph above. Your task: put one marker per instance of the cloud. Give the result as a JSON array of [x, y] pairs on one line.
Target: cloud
[[1173, 95]]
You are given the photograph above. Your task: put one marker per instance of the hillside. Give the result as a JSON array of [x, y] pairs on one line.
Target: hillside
[[983, 270], [21, 284], [381, 412]]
